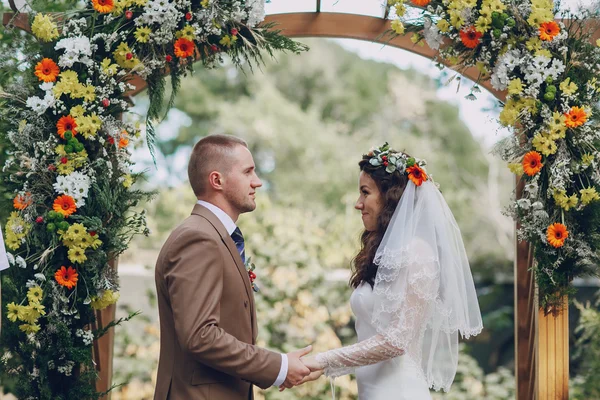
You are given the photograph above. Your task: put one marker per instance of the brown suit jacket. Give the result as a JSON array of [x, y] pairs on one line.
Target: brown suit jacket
[[207, 317]]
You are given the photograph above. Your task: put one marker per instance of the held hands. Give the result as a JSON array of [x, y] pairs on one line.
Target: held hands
[[297, 371], [315, 369]]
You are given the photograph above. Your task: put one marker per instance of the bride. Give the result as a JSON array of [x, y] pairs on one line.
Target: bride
[[413, 289]]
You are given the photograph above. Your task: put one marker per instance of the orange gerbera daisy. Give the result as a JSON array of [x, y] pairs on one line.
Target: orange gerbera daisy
[[548, 30], [576, 117], [124, 141], [184, 48], [66, 277], [47, 70], [556, 235], [420, 3], [103, 6], [416, 174], [470, 37], [66, 123], [22, 201], [532, 163], [65, 205]]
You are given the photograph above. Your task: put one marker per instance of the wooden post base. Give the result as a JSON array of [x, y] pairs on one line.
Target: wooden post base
[[552, 354]]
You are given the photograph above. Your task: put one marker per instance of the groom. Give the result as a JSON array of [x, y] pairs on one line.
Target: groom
[[206, 306]]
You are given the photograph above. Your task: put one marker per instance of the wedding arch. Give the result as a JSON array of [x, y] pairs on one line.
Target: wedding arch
[[499, 51]]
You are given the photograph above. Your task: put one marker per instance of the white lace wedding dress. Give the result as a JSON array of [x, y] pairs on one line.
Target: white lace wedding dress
[[408, 324], [396, 378]]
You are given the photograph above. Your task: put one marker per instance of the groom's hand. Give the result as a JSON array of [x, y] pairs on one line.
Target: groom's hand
[[297, 371]]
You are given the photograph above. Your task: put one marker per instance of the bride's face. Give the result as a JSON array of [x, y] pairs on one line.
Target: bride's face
[[369, 202]]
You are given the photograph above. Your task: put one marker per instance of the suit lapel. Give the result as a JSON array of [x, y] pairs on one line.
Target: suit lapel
[[230, 244]]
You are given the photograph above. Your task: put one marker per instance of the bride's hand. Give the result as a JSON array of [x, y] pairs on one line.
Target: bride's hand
[[311, 363], [312, 377]]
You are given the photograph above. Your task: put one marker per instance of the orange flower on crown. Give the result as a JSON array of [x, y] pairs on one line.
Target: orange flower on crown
[[47, 70], [184, 48], [575, 117], [66, 277], [66, 123], [103, 6], [65, 205], [124, 140], [556, 235], [470, 37], [420, 3], [532, 163], [22, 201], [416, 175], [548, 30]]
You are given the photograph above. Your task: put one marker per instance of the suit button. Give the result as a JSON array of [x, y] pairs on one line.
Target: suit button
[[246, 303]]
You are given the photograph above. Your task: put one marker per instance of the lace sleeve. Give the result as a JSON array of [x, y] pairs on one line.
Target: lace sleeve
[[407, 324], [344, 360]]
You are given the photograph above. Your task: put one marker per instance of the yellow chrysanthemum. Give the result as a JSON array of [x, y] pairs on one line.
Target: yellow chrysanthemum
[[229, 40], [516, 168], [400, 9], [14, 312], [443, 25], [38, 308], [124, 56], [142, 34], [587, 159], [35, 294], [539, 15], [30, 315], [108, 298], [89, 125], [44, 28], [567, 87], [29, 328], [515, 87], [76, 112], [67, 168], [77, 255], [108, 68], [543, 52], [497, 6], [588, 195], [544, 145], [89, 93], [483, 24], [534, 44], [16, 230], [187, 32], [127, 181]]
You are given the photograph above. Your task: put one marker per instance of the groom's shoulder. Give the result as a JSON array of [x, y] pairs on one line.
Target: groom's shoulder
[[195, 225], [192, 229]]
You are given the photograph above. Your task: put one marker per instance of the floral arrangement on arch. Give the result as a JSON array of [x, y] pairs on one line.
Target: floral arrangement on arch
[[548, 66], [70, 167]]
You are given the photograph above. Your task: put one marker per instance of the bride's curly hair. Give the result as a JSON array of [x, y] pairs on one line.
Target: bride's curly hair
[[391, 187]]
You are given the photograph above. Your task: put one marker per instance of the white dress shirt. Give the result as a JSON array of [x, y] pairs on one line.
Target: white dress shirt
[[230, 227]]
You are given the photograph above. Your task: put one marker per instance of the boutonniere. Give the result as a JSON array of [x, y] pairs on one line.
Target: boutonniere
[[250, 268]]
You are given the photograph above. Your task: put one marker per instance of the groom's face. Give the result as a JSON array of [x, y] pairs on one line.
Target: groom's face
[[241, 181]]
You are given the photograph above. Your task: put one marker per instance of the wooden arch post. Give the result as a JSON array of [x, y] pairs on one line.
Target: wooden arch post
[[541, 341]]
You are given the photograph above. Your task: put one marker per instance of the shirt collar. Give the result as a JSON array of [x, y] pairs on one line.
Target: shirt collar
[[221, 215]]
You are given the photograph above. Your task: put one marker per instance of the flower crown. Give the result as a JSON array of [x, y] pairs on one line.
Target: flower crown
[[393, 161]]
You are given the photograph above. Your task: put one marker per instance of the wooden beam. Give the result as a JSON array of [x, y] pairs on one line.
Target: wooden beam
[[103, 355], [525, 331], [553, 354]]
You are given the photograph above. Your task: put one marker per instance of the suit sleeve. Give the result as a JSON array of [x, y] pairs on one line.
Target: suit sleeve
[[194, 277]]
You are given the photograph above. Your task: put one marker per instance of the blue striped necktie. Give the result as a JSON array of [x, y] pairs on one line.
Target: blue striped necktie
[[238, 239]]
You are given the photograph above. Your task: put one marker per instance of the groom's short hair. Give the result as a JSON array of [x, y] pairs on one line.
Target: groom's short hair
[[211, 153]]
